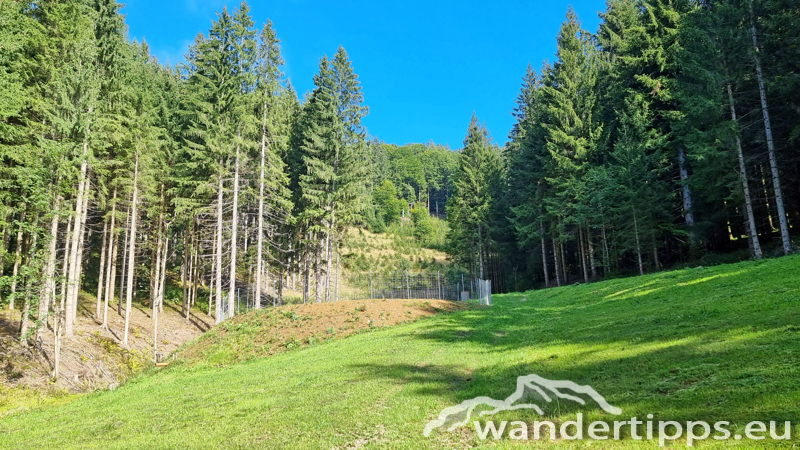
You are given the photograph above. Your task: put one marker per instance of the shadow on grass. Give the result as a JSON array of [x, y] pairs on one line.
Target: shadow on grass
[[193, 319], [700, 344]]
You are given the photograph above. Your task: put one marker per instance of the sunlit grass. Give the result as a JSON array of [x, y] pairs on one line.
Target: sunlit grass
[[717, 343]]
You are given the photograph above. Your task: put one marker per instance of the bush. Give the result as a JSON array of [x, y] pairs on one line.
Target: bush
[[422, 222], [388, 206]]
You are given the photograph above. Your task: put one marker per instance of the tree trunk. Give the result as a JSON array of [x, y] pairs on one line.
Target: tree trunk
[[154, 294], [59, 321], [234, 229], [195, 278], [111, 273], [281, 276], [65, 265], [163, 270], [328, 262], [188, 272], [544, 257], [773, 161], [606, 255], [331, 242], [131, 253], [582, 251], [101, 271], [124, 271], [318, 272], [265, 281], [163, 279], [755, 246], [590, 245], [687, 196], [767, 204], [218, 253], [212, 282], [156, 282], [4, 244], [638, 244], [260, 231], [655, 252], [59, 313], [73, 313], [184, 274], [480, 252], [49, 288], [17, 263], [306, 278], [557, 265], [77, 237], [25, 322], [336, 284]]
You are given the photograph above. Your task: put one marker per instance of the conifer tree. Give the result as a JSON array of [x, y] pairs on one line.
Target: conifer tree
[[468, 209], [571, 130]]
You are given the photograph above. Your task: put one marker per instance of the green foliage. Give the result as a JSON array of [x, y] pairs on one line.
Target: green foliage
[[468, 210], [422, 222], [388, 206], [624, 150], [420, 173], [328, 145]]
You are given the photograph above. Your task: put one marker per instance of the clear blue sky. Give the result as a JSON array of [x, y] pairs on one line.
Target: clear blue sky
[[425, 66]]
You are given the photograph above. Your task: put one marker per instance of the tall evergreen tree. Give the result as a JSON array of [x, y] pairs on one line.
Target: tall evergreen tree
[[469, 207]]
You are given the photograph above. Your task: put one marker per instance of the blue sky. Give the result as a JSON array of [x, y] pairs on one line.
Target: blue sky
[[425, 66]]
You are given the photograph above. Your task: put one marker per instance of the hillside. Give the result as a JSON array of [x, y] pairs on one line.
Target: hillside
[[267, 332], [362, 251], [93, 358], [715, 343], [396, 249]]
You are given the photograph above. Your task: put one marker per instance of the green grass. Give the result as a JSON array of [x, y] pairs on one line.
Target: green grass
[[14, 400], [719, 343]]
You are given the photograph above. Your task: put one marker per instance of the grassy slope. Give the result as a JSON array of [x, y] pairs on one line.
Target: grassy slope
[[719, 343]]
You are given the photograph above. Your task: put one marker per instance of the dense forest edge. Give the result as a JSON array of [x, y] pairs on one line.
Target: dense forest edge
[[666, 138]]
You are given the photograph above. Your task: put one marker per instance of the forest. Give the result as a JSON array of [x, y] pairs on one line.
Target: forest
[[667, 137]]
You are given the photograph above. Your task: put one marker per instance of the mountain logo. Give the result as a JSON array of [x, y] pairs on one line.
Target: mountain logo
[[541, 388]]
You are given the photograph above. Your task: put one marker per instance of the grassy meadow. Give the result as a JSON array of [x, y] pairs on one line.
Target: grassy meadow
[[715, 343]]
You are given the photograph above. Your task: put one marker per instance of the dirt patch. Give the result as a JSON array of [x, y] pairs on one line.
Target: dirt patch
[[94, 358], [267, 332]]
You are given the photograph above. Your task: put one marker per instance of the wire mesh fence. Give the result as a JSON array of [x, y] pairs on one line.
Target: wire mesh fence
[[377, 285], [417, 285], [397, 285]]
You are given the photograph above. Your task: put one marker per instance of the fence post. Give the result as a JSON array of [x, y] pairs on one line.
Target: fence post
[[370, 285], [408, 289], [439, 284]]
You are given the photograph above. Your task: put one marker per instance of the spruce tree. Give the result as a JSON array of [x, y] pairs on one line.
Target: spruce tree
[[468, 209]]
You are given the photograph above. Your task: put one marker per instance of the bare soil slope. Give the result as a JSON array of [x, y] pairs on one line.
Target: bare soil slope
[[94, 357], [269, 331]]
